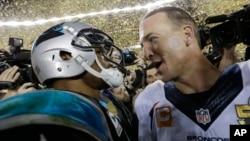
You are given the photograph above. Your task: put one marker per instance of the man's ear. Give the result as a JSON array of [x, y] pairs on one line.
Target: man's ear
[[188, 33]]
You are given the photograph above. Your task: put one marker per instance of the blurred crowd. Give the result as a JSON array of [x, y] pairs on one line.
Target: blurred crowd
[[88, 66]]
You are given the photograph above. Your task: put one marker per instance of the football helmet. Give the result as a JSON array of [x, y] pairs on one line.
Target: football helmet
[[80, 40]]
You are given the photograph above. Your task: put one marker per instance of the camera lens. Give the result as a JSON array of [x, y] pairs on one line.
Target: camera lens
[[128, 58], [226, 34]]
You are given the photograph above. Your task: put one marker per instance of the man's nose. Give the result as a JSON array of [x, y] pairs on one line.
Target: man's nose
[[147, 52]]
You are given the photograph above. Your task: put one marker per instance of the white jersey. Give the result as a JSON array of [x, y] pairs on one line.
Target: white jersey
[[143, 104], [206, 116]]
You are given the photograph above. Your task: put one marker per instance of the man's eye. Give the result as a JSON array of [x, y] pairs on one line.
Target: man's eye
[[153, 41]]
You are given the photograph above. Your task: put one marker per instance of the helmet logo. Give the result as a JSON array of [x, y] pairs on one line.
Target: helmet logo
[[50, 33]]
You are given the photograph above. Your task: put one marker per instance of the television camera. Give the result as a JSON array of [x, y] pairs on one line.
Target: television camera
[[129, 57], [21, 58], [231, 29], [226, 31]]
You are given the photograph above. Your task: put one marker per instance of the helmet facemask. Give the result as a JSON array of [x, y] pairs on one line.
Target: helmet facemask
[[109, 52], [104, 43]]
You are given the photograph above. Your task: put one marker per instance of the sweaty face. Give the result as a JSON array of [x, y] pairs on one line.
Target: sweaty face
[[162, 43]]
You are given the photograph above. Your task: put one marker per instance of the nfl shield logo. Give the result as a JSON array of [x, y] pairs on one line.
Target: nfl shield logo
[[203, 116]]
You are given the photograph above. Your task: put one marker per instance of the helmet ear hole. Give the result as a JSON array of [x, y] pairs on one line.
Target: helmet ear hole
[[65, 55]]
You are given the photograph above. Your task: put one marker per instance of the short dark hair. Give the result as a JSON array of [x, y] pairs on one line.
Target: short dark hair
[[178, 16]]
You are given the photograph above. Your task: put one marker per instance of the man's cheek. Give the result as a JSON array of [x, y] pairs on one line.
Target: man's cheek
[[175, 42]]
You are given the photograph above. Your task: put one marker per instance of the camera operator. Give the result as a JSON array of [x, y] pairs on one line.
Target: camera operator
[[10, 76], [228, 58], [15, 68], [223, 57]]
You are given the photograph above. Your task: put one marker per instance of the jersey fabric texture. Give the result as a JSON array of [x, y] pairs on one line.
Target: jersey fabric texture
[[119, 115], [47, 115], [202, 116], [143, 103]]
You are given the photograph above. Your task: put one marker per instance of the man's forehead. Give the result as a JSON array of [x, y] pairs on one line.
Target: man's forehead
[[150, 24]]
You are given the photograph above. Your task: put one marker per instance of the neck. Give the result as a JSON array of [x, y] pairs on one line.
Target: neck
[[78, 86], [201, 78]]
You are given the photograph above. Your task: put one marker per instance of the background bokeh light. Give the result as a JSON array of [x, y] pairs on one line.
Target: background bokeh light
[[123, 26]]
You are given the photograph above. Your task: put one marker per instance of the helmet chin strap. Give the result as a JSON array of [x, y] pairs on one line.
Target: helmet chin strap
[[111, 76]]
